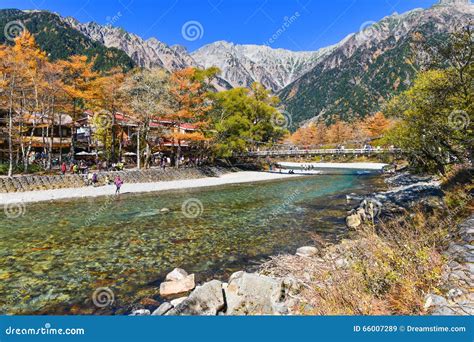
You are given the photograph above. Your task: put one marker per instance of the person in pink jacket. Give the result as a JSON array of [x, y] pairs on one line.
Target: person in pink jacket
[[118, 184]]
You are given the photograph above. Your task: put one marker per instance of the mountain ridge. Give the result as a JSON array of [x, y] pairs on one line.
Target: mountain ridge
[[362, 74], [351, 78]]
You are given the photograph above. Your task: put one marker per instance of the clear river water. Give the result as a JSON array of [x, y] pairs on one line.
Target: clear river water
[[54, 256]]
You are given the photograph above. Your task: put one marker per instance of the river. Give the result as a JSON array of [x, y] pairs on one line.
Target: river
[[54, 256]]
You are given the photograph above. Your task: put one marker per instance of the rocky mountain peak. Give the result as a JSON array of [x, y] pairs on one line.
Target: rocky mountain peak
[[454, 2], [242, 65]]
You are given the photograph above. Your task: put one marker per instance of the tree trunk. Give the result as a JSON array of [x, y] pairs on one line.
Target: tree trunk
[[72, 150], [50, 153], [178, 154], [138, 148], [112, 150], [10, 136], [60, 139], [120, 146]]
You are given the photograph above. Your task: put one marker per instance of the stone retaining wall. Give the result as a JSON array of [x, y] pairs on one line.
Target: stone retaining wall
[[32, 182]]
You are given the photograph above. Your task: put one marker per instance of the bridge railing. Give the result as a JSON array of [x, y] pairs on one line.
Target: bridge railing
[[321, 152]]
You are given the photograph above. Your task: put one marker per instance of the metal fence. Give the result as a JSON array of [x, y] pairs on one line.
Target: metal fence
[[360, 151]]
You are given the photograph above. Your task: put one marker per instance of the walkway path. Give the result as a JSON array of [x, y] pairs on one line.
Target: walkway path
[[68, 193]]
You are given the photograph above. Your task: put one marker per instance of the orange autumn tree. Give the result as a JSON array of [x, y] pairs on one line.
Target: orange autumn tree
[[25, 98], [78, 77], [10, 82], [109, 98], [190, 104], [376, 125], [339, 132], [311, 135]]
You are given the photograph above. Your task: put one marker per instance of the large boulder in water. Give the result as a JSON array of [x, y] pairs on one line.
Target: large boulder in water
[[173, 288], [205, 300], [254, 294]]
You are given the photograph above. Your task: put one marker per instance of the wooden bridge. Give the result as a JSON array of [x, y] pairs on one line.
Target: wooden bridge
[[319, 152]]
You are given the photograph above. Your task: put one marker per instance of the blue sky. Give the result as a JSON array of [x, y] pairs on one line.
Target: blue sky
[[314, 24]]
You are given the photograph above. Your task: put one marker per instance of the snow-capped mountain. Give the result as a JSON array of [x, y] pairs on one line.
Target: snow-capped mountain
[[241, 65]]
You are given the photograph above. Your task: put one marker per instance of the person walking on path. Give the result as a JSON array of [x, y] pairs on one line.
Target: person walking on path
[[118, 184], [63, 168], [95, 178], [89, 178]]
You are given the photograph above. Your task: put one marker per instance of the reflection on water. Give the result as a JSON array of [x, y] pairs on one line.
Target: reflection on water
[[53, 257]]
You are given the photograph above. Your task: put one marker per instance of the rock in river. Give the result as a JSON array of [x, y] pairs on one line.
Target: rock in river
[[250, 293], [176, 274], [177, 301], [206, 300], [140, 312], [353, 221], [172, 288], [162, 309], [307, 251]]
